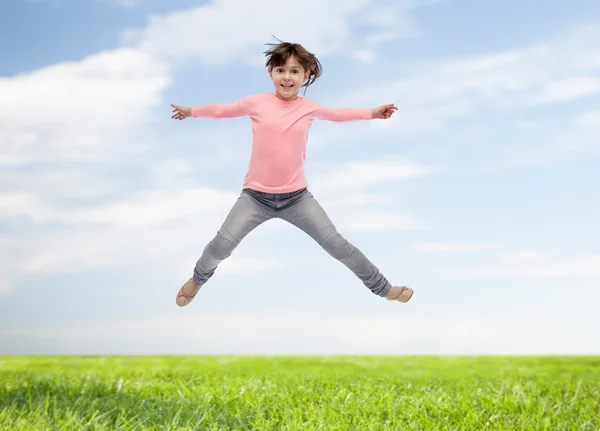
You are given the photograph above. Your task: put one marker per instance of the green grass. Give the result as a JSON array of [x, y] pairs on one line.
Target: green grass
[[299, 393]]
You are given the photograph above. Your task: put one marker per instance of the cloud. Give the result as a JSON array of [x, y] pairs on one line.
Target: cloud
[[364, 56], [145, 209], [279, 333], [357, 199], [394, 20], [83, 110], [110, 228], [534, 265], [378, 221], [239, 29], [354, 204], [452, 247], [44, 202], [356, 174], [125, 4], [429, 94], [71, 222], [589, 119], [155, 208], [568, 89], [169, 251], [379, 37]]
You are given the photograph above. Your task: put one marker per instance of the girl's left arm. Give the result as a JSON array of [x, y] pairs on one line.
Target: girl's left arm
[[340, 115], [353, 114]]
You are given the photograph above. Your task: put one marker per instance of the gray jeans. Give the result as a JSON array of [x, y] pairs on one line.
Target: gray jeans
[[299, 208]]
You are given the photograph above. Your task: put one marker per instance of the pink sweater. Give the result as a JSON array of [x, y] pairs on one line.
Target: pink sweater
[[279, 135]]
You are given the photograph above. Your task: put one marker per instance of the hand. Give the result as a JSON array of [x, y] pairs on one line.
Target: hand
[[384, 111], [181, 112]]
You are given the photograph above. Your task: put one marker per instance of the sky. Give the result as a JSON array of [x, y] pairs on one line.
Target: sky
[[480, 192]]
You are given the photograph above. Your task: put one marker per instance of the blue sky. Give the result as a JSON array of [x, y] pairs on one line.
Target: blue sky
[[480, 192]]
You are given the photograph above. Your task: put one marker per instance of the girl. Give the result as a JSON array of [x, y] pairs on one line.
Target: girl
[[275, 185]]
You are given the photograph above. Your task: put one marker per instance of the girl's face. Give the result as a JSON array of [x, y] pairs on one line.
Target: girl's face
[[288, 79]]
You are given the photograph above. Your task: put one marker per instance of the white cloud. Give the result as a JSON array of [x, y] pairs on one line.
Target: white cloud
[[357, 199], [524, 256], [535, 266], [429, 94], [163, 228], [236, 265], [588, 119], [576, 135], [378, 221], [369, 173], [155, 208], [394, 19], [278, 333], [364, 56], [452, 247], [146, 209], [355, 206], [569, 88], [122, 229], [377, 38], [168, 251], [80, 110], [37, 186], [191, 33], [126, 4]]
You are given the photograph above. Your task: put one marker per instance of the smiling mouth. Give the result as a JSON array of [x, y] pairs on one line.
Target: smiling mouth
[[286, 86]]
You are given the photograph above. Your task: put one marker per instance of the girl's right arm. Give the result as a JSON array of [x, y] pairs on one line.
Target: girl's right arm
[[213, 110]]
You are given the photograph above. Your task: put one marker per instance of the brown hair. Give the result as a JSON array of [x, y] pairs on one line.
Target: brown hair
[[278, 54]]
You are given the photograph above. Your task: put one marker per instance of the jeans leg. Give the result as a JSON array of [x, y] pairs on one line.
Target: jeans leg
[[245, 215], [308, 215]]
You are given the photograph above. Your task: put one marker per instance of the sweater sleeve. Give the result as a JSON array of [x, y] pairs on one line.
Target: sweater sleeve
[[341, 114], [222, 110]]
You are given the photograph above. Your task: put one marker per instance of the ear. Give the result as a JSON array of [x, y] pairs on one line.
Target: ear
[[306, 75], [270, 69]]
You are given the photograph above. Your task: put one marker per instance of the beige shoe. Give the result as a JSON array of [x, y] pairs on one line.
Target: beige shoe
[[399, 293], [183, 297]]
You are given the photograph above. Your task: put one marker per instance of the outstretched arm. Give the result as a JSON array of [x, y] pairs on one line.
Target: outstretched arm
[[354, 114], [213, 110]]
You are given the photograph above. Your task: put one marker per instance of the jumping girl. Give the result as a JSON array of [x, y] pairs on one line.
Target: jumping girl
[[275, 185]]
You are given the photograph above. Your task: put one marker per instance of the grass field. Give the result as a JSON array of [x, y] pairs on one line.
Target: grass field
[[299, 393]]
